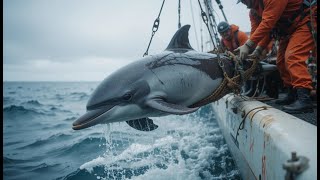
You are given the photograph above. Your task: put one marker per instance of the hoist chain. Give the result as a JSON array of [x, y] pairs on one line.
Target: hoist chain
[[213, 25], [179, 7], [205, 20], [220, 62], [154, 28], [214, 31]]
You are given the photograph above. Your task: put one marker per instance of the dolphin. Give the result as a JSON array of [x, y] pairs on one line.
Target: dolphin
[[156, 85]]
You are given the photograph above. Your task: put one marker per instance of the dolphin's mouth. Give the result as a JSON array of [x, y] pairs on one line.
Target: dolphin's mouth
[[90, 118]]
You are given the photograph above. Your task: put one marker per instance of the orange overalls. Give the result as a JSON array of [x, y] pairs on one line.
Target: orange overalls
[[238, 38], [294, 46]]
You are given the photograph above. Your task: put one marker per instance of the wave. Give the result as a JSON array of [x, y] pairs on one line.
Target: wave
[[33, 108], [100, 172], [46, 108], [80, 174], [57, 126], [89, 147], [79, 95], [7, 143], [70, 118], [7, 160], [23, 169], [21, 110], [7, 100], [33, 103], [83, 146], [56, 109], [43, 167], [59, 97], [54, 138], [72, 96]]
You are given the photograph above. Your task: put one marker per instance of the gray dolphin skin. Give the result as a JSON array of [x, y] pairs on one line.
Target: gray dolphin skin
[[156, 85]]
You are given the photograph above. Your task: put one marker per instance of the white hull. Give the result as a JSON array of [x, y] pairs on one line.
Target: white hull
[[268, 138]]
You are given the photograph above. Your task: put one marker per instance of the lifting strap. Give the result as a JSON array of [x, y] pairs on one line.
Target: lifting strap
[[228, 84]]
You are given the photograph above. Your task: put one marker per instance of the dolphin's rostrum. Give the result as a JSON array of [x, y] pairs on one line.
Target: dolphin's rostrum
[[156, 85]]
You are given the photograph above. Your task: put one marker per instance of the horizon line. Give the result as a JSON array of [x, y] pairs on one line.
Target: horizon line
[[49, 81]]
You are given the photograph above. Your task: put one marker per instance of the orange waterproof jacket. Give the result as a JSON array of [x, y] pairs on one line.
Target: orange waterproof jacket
[[238, 38], [270, 12]]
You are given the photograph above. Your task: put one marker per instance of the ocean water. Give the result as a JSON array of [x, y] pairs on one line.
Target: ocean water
[[39, 143]]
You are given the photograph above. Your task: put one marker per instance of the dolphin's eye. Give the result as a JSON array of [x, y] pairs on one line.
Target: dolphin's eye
[[127, 96]]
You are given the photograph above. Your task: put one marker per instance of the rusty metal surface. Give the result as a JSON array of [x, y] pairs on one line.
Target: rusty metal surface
[[267, 139]]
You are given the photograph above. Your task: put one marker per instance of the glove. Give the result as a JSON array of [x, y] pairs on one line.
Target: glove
[[259, 53], [245, 49]]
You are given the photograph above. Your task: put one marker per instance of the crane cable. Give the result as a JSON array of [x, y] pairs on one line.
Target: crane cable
[[179, 7], [154, 28], [194, 24], [221, 8]]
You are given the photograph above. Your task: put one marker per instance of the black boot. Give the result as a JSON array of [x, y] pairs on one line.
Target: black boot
[[290, 98], [302, 105]]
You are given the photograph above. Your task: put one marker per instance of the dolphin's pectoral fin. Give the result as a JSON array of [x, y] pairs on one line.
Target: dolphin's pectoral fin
[[143, 124], [161, 105]]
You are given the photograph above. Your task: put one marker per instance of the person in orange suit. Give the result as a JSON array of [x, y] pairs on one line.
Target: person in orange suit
[[231, 36], [290, 22]]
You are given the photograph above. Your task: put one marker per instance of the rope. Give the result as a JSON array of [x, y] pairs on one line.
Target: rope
[[241, 125], [257, 87], [226, 85], [231, 84]]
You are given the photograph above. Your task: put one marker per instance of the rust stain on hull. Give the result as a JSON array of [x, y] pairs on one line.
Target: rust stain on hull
[[264, 167], [267, 120], [251, 145]]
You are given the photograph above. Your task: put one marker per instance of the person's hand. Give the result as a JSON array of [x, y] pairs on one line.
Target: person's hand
[[259, 53], [256, 53], [244, 49]]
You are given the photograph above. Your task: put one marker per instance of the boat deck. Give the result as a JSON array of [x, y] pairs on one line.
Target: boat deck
[[308, 117]]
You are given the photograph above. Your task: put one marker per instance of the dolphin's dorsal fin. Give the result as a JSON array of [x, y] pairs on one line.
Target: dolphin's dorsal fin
[[164, 106], [143, 124], [180, 40]]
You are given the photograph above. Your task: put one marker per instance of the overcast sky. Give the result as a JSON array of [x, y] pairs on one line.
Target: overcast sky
[[86, 40]]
